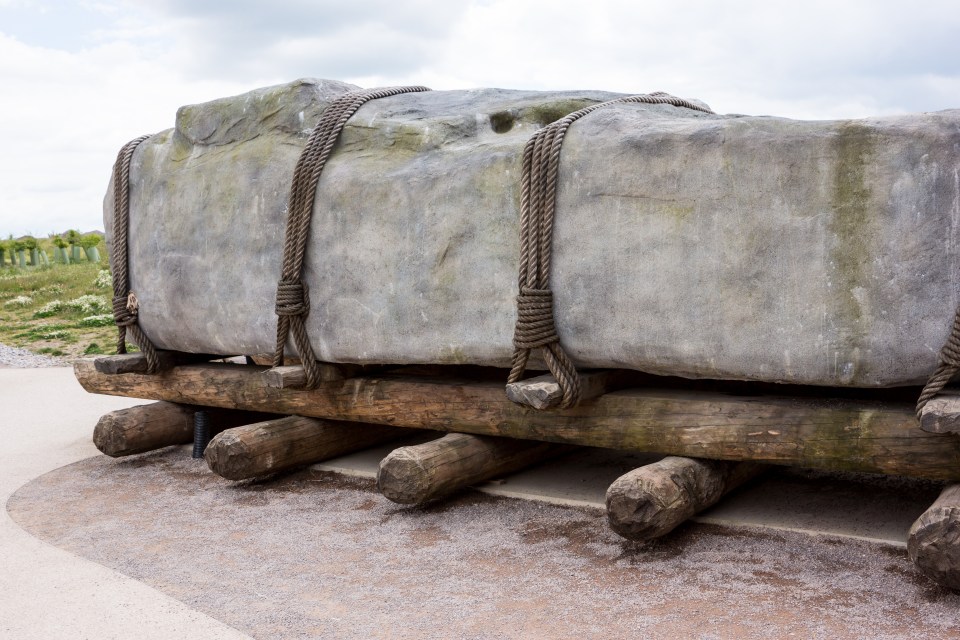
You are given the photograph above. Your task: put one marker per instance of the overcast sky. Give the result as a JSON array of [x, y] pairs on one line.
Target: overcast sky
[[79, 79]]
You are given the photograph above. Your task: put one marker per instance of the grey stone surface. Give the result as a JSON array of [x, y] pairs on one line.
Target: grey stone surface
[[685, 243]]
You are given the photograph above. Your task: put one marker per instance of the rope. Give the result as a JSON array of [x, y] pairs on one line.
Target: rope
[[535, 321], [293, 303], [125, 304], [949, 365]]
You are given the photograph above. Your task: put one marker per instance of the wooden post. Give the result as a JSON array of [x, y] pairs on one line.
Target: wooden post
[[652, 500], [143, 428], [543, 392], [837, 433], [425, 472], [934, 541], [255, 450]]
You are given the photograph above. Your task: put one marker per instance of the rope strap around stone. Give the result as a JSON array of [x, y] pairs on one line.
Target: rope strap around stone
[[535, 320], [949, 365], [125, 304], [292, 304]]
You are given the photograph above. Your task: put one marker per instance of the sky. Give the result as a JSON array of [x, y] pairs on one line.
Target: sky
[[79, 79]]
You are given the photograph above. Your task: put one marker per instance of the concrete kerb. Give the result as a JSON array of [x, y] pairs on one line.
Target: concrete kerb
[[50, 593]]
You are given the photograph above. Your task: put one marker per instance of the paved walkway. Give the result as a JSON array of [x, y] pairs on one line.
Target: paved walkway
[[47, 593]]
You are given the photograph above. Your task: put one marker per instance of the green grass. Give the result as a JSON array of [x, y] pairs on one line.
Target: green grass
[[61, 310]]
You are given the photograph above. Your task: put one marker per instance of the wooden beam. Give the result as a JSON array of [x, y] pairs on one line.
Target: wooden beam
[[137, 362], [255, 450], [941, 415], [143, 428], [436, 469], [654, 499], [934, 541], [543, 392], [294, 376], [841, 434]]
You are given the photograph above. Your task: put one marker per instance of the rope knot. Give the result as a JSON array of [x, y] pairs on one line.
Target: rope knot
[[125, 310], [535, 327], [292, 298]]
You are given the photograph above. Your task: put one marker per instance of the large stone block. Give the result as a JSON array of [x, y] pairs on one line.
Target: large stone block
[[685, 243]]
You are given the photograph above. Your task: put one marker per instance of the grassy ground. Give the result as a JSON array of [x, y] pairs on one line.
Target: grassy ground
[[59, 310]]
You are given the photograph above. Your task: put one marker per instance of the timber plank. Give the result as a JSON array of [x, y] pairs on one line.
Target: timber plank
[[841, 434], [295, 377], [543, 392], [941, 415], [137, 362]]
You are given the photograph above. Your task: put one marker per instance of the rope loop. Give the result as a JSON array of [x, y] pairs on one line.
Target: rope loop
[[124, 313], [125, 304], [293, 303], [948, 367], [292, 298], [535, 328]]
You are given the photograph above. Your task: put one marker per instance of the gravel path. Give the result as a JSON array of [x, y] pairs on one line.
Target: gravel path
[[318, 555], [22, 359]]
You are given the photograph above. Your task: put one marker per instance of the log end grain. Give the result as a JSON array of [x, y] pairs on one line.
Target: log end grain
[[228, 456], [286, 377], [651, 501], [122, 363], [542, 392], [143, 428], [941, 415], [934, 540], [403, 478]]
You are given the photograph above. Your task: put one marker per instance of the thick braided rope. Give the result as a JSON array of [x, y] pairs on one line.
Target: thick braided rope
[[125, 305], [949, 365], [292, 305], [538, 198]]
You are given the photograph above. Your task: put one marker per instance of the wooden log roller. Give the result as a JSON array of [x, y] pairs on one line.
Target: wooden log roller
[[283, 444], [654, 499], [433, 470]]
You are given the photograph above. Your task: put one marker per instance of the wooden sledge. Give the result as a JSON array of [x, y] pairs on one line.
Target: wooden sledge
[[700, 424]]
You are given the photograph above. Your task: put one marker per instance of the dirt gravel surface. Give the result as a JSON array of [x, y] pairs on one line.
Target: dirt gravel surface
[[14, 357], [317, 555]]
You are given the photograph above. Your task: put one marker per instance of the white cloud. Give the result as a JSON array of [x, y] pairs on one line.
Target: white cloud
[[79, 79]]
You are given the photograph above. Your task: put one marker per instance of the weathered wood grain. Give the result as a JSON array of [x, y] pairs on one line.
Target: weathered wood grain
[[543, 392], [433, 470], [259, 449], [161, 424], [843, 434], [654, 499], [294, 376], [142, 428], [934, 541], [137, 362], [941, 415]]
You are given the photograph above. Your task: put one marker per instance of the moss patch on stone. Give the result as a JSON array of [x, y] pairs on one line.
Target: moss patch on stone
[[853, 225]]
